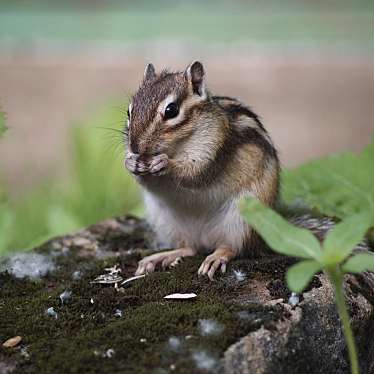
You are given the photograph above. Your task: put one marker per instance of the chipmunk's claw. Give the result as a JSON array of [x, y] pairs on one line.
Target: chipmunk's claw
[[158, 164], [135, 165], [218, 259], [163, 259]]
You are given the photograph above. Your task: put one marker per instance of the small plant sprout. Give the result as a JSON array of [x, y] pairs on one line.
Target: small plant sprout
[[334, 256]]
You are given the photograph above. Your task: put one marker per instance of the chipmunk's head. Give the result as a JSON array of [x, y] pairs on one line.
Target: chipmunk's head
[[162, 112]]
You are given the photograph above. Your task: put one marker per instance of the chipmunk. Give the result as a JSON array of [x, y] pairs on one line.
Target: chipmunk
[[196, 155]]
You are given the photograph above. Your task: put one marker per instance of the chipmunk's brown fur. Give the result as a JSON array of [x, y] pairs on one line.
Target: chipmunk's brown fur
[[195, 155]]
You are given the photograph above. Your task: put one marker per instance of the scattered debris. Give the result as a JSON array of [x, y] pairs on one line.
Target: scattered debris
[[128, 280], [51, 312], [118, 313], [109, 353], [210, 327], [65, 297], [204, 361], [114, 269], [12, 342], [112, 277], [108, 279], [239, 275], [180, 296], [294, 299], [174, 343], [27, 265]]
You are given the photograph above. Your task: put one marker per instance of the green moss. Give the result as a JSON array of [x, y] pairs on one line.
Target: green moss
[[139, 338]]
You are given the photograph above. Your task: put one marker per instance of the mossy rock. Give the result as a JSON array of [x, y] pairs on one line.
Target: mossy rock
[[252, 328]]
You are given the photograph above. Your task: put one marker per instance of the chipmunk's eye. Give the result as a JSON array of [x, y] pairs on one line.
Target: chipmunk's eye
[[128, 114], [171, 111]]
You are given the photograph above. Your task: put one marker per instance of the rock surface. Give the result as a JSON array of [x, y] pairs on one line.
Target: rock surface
[[107, 328]]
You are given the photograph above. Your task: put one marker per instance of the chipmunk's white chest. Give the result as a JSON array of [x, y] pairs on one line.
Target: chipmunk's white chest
[[203, 220]]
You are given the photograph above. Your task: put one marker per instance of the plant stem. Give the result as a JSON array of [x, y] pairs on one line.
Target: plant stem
[[336, 278]]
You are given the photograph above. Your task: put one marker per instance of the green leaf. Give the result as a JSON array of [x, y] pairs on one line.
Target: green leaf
[[359, 263], [339, 185], [344, 237], [278, 233], [2, 124], [298, 276]]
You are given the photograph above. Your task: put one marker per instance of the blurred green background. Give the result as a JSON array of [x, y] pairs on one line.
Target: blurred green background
[[67, 71]]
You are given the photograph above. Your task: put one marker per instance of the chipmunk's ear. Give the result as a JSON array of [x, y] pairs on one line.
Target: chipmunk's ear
[[195, 75], [149, 72]]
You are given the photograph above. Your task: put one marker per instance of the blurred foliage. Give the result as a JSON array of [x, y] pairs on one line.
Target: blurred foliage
[[2, 124], [339, 185], [339, 22], [98, 187]]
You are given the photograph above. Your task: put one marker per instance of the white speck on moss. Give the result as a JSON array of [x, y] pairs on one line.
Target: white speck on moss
[[294, 299], [65, 297], [204, 360], [210, 327], [118, 313], [109, 353], [239, 275], [28, 265], [51, 312], [77, 275], [174, 343]]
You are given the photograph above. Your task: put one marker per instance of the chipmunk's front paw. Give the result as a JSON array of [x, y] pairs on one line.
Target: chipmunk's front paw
[[135, 165], [158, 164], [218, 259], [162, 259]]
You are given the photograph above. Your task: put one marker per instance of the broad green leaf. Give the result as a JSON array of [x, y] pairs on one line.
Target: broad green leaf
[[359, 263], [338, 185], [278, 233], [2, 123], [298, 276], [344, 237]]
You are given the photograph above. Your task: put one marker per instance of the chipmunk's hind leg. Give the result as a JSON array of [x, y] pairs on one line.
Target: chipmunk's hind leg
[[218, 259], [162, 259]]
